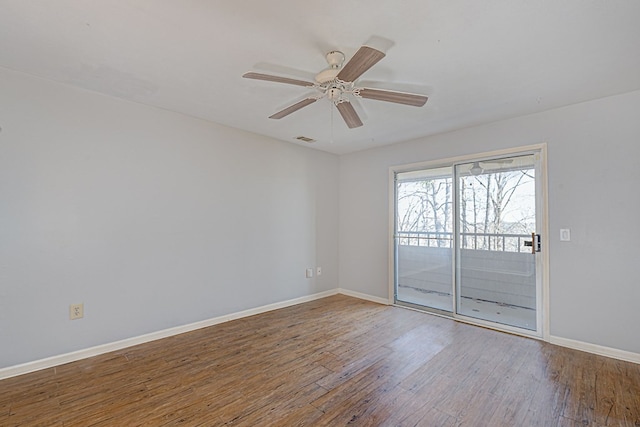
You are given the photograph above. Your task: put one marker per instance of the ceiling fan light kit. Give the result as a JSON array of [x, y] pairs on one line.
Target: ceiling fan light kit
[[337, 84], [476, 169]]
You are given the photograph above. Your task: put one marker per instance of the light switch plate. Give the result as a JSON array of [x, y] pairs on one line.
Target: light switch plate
[[565, 235]]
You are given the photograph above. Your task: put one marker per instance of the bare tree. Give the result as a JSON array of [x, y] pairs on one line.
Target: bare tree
[[496, 190], [425, 206]]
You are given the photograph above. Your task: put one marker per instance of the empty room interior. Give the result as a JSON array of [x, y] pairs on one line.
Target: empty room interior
[[421, 213]]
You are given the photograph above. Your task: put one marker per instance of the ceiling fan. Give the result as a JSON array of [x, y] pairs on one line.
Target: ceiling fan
[[477, 169], [337, 84]]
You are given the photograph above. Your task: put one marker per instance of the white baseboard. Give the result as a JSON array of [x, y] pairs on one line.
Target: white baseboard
[[367, 297], [614, 353], [50, 362]]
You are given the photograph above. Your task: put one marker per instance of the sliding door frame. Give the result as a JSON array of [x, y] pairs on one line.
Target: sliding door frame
[[543, 303]]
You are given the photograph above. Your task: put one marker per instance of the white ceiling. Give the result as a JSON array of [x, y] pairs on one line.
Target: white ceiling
[[478, 61]]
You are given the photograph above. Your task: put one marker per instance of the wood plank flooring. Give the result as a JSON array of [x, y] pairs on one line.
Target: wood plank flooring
[[332, 362]]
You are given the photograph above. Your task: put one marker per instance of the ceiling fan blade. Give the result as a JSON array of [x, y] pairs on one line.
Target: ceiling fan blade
[[293, 108], [365, 58], [277, 79], [393, 96], [349, 115]]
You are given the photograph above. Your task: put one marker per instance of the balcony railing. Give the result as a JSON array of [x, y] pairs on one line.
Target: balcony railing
[[478, 241]]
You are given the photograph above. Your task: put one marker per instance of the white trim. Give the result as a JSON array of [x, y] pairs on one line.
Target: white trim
[[50, 362], [391, 261], [467, 157], [543, 312], [366, 297], [546, 244], [600, 350]]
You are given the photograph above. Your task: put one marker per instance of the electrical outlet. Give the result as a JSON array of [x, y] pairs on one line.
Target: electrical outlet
[[319, 271], [76, 311]]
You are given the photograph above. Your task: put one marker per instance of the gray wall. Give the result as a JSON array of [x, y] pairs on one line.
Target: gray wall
[[502, 277], [154, 220], [594, 178], [150, 218], [425, 268]]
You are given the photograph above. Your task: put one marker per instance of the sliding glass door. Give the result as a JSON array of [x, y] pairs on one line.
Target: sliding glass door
[[424, 236], [466, 241], [495, 270]]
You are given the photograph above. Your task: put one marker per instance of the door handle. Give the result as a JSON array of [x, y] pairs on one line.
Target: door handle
[[534, 243]]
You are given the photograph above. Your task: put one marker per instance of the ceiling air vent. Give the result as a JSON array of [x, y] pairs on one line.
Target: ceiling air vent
[[305, 139]]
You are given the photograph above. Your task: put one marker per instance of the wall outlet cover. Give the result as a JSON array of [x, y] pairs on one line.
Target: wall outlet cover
[[76, 311]]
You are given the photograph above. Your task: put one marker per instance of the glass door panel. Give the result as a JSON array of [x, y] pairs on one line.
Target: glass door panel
[[496, 216], [424, 237]]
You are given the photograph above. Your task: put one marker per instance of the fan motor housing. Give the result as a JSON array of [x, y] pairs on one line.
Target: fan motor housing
[[327, 75], [335, 59]]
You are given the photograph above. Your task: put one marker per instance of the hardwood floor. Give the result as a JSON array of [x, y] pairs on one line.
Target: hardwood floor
[[336, 361]]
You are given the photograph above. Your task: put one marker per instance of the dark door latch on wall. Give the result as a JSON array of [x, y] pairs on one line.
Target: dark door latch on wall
[[534, 243]]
